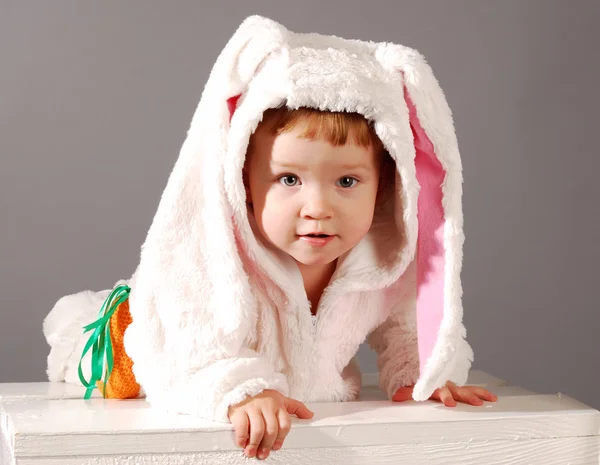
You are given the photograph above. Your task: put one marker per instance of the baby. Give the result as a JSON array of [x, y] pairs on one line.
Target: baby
[[313, 180], [315, 204]]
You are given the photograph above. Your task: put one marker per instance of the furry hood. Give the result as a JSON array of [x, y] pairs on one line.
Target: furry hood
[[201, 241]]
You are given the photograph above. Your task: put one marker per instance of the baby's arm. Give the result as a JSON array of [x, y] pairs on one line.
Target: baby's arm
[[207, 368], [396, 342], [192, 358]]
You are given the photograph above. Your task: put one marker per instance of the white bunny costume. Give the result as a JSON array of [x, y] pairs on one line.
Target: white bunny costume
[[218, 317]]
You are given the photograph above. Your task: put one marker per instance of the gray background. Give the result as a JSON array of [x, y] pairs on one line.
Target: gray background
[[96, 98]]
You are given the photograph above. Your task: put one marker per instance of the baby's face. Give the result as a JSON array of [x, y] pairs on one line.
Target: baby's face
[[300, 187]]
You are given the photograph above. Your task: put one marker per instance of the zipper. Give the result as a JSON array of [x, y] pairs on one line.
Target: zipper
[[314, 318]]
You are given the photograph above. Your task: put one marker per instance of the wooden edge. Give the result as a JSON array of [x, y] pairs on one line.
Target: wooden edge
[[47, 390]]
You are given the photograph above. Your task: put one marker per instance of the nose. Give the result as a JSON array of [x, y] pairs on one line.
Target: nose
[[316, 206]]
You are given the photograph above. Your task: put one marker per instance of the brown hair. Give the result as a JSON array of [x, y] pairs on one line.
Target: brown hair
[[337, 128]]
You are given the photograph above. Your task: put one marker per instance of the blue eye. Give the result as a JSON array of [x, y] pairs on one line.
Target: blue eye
[[347, 182], [288, 180]]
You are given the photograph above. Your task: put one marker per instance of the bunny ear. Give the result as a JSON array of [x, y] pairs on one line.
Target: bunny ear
[[431, 250], [193, 224], [444, 354], [237, 64]]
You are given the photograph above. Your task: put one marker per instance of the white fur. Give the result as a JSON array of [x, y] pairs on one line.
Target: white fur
[[63, 329], [217, 315]]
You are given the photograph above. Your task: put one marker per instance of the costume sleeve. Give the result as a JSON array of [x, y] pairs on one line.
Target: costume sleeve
[[396, 340], [222, 381], [396, 345], [197, 362]]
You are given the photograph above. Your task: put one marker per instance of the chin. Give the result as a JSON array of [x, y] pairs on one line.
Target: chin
[[314, 261]]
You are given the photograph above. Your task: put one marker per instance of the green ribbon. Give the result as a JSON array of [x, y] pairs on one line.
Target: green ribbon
[[100, 341]]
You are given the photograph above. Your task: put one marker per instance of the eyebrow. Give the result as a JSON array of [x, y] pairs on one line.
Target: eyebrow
[[349, 167]]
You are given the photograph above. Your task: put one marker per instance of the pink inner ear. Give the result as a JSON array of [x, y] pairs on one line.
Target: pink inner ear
[[231, 105], [430, 242]]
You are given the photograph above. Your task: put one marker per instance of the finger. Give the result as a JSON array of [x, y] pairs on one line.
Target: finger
[[295, 407], [402, 394], [445, 396], [257, 431], [463, 394], [436, 394], [469, 397], [285, 425], [271, 431], [451, 385], [466, 395], [484, 394], [241, 424]]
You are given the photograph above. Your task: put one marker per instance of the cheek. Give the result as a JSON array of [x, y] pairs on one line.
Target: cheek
[[359, 216], [274, 204], [361, 226], [273, 213]]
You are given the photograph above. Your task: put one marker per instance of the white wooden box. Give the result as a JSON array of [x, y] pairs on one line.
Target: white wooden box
[[50, 424]]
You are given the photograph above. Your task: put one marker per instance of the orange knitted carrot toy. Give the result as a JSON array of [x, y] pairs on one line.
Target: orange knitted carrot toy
[[115, 380]]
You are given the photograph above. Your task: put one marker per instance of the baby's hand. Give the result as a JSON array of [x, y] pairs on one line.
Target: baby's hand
[[449, 394], [262, 422]]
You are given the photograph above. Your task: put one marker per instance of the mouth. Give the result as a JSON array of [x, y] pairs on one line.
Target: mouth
[[316, 239]]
